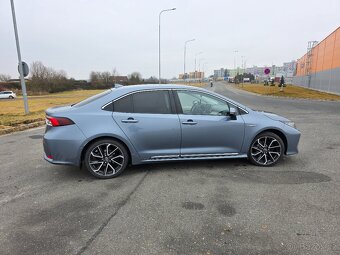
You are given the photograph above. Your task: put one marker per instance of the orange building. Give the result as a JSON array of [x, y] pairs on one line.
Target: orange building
[[319, 68]]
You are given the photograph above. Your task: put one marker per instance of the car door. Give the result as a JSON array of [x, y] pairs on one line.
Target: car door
[[206, 127], [149, 120]]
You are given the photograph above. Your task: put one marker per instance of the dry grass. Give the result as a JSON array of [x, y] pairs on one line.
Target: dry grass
[[289, 91], [12, 111]]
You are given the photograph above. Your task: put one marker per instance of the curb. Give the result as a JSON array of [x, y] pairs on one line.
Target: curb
[[283, 97], [22, 127]]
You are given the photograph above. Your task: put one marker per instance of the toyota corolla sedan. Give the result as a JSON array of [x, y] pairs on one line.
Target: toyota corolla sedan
[[139, 124]]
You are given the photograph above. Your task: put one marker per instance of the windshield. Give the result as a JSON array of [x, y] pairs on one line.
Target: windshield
[[91, 99]]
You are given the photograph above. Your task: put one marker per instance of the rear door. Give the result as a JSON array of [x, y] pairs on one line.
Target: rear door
[[149, 120], [206, 127]]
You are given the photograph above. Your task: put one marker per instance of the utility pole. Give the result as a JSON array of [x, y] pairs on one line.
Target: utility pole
[[22, 79]]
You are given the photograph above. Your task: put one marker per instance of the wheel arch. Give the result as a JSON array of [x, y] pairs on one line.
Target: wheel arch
[[277, 132], [95, 139]]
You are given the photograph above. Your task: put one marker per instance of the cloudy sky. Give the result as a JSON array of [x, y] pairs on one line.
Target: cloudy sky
[[79, 36]]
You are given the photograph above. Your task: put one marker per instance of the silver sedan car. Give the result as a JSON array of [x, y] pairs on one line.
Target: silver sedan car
[[152, 123]]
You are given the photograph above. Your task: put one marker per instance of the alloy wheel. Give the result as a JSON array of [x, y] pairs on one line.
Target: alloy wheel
[[106, 159], [266, 150]]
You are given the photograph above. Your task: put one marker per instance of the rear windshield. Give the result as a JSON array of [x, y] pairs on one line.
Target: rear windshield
[[91, 99]]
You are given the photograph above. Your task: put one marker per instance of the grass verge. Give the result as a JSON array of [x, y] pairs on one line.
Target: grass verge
[[288, 91], [12, 115]]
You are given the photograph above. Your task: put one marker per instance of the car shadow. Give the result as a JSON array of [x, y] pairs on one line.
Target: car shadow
[[235, 170]]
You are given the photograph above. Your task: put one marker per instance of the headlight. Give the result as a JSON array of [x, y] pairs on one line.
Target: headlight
[[289, 123]]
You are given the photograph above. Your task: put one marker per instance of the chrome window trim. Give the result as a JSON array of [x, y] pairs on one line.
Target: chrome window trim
[[174, 89]]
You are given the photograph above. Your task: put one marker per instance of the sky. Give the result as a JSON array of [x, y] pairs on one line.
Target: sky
[[81, 36]]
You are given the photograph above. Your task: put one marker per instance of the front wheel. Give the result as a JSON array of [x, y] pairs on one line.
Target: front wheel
[[106, 158], [266, 149], [11, 97]]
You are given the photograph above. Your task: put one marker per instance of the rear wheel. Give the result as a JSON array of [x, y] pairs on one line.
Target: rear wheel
[[106, 158], [266, 149]]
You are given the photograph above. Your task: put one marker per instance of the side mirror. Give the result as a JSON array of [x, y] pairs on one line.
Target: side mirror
[[232, 113]]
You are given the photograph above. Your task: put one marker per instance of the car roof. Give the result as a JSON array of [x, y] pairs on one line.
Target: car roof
[[154, 86]]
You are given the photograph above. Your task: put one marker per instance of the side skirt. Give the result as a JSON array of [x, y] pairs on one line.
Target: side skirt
[[195, 157]]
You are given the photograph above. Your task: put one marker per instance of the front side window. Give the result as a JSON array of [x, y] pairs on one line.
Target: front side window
[[196, 103]]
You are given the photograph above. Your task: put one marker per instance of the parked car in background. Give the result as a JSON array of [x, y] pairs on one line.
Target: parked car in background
[[157, 123], [7, 95]]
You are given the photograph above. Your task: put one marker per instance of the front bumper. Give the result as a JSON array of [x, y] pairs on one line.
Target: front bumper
[[293, 137]]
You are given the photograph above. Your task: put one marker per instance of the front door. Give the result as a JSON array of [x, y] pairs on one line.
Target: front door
[[149, 121], [206, 127]]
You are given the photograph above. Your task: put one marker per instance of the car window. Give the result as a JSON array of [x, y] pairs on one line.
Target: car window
[[91, 99], [152, 102], [123, 105], [196, 103]]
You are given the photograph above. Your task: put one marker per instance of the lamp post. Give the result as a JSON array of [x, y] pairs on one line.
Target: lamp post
[[203, 68], [235, 52], [185, 52], [22, 79], [195, 60], [199, 63], [159, 42]]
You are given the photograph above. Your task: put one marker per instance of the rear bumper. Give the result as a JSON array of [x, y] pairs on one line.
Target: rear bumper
[[62, 145]]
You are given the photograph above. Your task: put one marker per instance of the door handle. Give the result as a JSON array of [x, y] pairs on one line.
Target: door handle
[[189, 122], [130, 120]]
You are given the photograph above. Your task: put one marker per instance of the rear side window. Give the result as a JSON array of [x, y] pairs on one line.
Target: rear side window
[[154, 102], [123, 105], [91, 99]]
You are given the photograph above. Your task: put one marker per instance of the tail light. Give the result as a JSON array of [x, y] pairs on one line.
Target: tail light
[[58, 121]]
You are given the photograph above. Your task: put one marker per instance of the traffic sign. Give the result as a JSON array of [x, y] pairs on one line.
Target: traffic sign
[[267, 71], [25, 69]]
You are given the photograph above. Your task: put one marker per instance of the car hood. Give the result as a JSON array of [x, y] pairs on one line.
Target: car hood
[[274, 116]]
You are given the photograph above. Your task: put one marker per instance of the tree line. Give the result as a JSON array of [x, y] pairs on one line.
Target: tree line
[[46, 79]]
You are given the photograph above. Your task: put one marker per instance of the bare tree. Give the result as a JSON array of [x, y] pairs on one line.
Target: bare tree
[[5, 77], [45, 78]]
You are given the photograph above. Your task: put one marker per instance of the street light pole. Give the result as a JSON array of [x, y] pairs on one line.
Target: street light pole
[[199, 63], [22, 79], [196, 58], [235, 52], [185, 50], [159, 42], [203, 68]]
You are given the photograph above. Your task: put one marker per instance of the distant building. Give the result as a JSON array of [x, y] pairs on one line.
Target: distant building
[[119, 79], [196, 75], [192, 75], [319, 68], [219, 74]]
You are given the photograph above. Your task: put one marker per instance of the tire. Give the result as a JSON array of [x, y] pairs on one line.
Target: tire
[[11, 97], [266, 149], [106, 158]]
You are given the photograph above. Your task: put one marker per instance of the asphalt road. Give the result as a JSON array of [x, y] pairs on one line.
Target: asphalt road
[[202, 207]]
